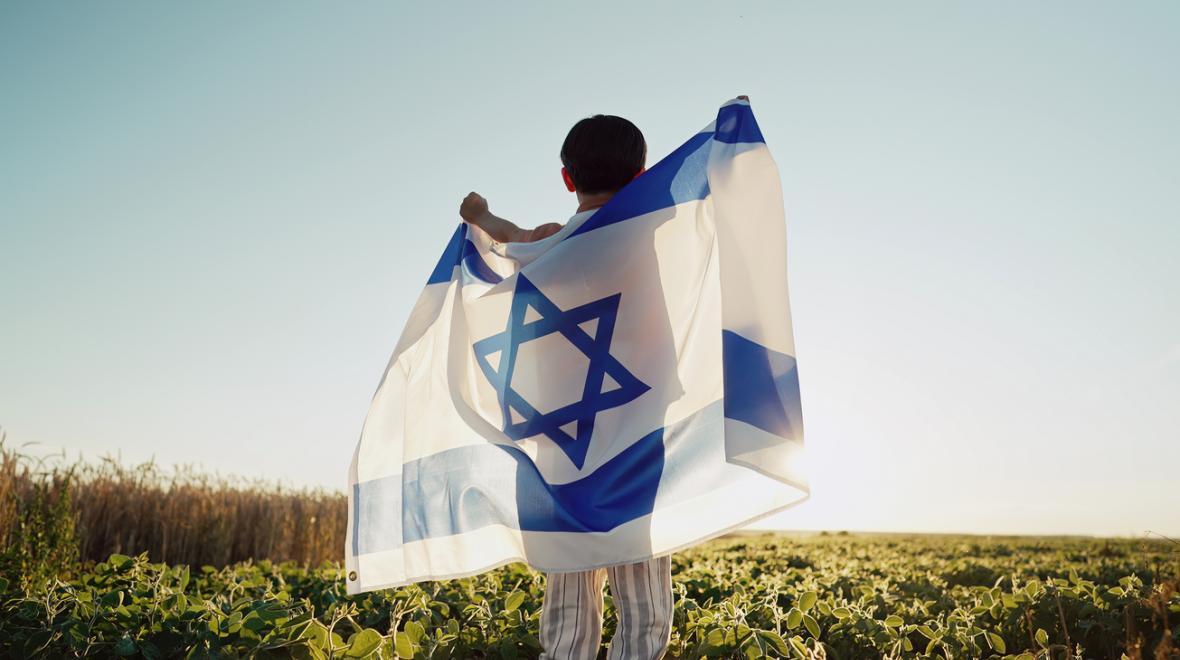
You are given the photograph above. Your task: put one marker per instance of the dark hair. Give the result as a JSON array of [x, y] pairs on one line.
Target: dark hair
[[603, 153]]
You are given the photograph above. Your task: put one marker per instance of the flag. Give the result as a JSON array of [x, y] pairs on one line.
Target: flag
[[620, 390]]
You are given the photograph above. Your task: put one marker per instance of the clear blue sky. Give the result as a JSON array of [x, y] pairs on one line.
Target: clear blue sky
[[215, 217]]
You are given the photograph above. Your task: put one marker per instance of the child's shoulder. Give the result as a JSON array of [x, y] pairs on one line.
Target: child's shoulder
[[543, 231]]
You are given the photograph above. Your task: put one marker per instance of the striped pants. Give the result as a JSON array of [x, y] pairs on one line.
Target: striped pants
[[571, 615]]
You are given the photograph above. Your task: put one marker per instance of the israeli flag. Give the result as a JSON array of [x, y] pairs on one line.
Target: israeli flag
[[620, 390]]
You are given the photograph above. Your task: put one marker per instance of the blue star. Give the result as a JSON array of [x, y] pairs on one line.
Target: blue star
[[596, 348]]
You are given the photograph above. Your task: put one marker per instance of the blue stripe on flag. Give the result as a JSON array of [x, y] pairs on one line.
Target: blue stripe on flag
[[761, 386], [467, 488], [377, 506], [451, 257], [680, 177], [477, 266], [735, 123], [460, 250]]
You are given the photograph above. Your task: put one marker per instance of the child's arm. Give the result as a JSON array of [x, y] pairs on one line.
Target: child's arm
[[474, 210]]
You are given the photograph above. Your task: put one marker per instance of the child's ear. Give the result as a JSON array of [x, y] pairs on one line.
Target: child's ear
[[569, 183]]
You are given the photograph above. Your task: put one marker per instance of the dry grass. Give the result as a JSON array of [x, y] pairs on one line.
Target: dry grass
[[175, 515]]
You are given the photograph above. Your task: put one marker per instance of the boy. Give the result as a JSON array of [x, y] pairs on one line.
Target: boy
[[600, 155]]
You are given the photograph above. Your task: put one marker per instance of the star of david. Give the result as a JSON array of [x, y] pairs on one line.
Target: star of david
[[558, 425]]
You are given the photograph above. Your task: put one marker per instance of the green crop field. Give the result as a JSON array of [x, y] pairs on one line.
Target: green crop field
[[107, 560], [835, 596]]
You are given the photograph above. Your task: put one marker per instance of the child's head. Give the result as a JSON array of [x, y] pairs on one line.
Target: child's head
[[602, 154]]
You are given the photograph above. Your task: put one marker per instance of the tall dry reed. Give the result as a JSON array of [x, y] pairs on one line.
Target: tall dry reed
[[176, 515]]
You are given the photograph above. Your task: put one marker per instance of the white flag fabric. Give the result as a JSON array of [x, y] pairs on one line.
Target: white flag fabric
[[617, 391]]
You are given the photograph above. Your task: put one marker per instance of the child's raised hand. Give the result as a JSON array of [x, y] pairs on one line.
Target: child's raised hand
[[473, 207], [474, 210]]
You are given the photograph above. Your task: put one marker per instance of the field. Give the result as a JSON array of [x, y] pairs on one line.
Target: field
[[832, 596], [785, 595]]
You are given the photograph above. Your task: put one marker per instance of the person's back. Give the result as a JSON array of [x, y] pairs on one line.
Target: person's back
[[600, 155]]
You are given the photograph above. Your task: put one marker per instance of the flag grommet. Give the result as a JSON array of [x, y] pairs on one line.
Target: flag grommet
[[352, 576]]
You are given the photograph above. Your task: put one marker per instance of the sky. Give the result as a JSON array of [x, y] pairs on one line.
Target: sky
[[215, 218]]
